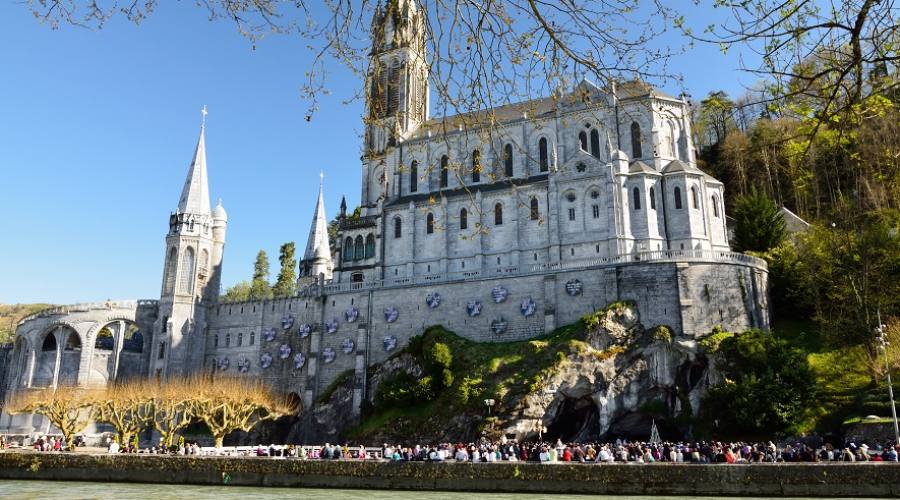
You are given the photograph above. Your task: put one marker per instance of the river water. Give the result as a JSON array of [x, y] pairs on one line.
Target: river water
[[22, 490]]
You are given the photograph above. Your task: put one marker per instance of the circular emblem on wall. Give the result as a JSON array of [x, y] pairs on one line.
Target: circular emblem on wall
[[243, 365], [390, 343], [299, 360], [224, 363], [304, 330], [347, 346], [473, 308], [573, 287], [328, 355], [284, 351], [527, 307], [498, 326], [351, 314], [287, 321], [433, 299], [499, 294], [265, 360], [331, 325], [391, 314], [269, 334]]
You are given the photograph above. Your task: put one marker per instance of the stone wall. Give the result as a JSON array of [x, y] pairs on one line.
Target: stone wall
[[814, 480]]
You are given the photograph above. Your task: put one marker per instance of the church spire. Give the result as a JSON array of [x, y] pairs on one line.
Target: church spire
[[317, 258], [195, 194]]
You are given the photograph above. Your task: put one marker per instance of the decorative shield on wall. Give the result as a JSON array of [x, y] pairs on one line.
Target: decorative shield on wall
[[265, 360], [573, 287], [433, 299], [269, 334], [347, 346], [284, 351], [391, 314], [328, 355], [390, 343], [299, 360], [331, 325], [498, 326], [499, 294], [304, 330], [473, 308], [351, 314], [287, 321], [224, 363], [243, 365], [527, 307]]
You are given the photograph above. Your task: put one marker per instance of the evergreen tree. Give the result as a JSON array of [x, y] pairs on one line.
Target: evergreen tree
[[286, 284], [759, 224], [259, 287]]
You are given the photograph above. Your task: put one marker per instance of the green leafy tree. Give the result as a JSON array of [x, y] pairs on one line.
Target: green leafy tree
[[767, 389], [238, 293], [286, 284], [259, 287], [759, 224]]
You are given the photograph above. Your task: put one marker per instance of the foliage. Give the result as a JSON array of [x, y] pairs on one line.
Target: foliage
[[286, 284], [68, 408], [759, 225], [10, 315], [125, 407], [662, 333], [230, 404], [240, 292], [768, 387], [259, 286], [711, 343]]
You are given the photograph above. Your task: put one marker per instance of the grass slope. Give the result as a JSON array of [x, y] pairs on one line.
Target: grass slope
[[11, 314]]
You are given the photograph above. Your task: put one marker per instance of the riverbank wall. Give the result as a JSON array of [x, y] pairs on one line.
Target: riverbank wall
[[814, 480]]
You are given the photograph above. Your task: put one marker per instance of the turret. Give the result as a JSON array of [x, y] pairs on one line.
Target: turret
[[316, 263]]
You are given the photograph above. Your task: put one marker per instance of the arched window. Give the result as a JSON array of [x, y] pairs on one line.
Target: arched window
[[414, 177], [678, 198], [104, 340], [227, 340], [582, 140], [49, 344], [133, 340], [543, 154], [636, 140], [652, 199], [535, 214], [359, 250], [216, 340], [171, 268], [186, 285], [463, 219], [73, 343], [715, 205], [252, 338], [445, 170], [348, 249], [694, 198], [429, 223], [398, 227], [637, 198], [204, 262], [240, 339], [508, 160], [595, 143], [498, 214], [370, 246], [476, 166]]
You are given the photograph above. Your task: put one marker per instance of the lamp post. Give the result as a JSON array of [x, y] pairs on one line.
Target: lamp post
[[489, 403], [882, 344]]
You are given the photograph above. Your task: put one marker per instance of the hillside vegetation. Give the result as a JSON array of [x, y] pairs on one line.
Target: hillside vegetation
[[11, 314]]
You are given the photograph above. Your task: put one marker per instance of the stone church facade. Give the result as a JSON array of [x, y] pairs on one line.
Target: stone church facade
[[501, 225]]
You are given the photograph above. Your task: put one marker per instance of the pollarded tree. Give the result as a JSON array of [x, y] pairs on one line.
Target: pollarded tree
[[230, 404], [759, 224], [69, 409], [128, 407], [173, 408]]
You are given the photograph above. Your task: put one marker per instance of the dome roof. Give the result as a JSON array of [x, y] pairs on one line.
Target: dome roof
[[219, 212]]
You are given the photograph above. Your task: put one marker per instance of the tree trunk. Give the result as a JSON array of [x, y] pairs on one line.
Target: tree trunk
[[219, 439]]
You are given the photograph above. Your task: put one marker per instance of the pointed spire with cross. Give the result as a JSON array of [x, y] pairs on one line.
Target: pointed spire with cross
[[203, 113]]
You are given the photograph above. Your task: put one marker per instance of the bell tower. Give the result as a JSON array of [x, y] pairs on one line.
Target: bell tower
[[191, 273], [396, 88]]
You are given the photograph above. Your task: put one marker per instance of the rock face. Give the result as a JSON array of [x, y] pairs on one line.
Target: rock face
[[614, 378], [622, 378]]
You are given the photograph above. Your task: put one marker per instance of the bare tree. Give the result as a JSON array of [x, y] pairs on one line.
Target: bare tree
[[127, 407], [230, 404], [69, 409]]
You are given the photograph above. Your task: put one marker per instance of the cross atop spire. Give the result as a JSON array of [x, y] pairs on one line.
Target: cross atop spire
[[203, 112], [321, 180]]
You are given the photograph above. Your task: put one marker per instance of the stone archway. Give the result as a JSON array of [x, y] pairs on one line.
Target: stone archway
[[118, 351], [58, 359]]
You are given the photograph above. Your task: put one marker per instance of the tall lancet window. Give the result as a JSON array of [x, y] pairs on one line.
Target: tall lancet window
[[360, 250], [445, 170], [508, 160], [476, 166], [171, 269], [582, 140], [186, 285], [636, 140], [414, 177], [348, 249], [544, 154], [463, 219], [370, 246], [595, 143]]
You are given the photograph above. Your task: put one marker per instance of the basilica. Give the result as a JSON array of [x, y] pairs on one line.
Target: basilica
[[500, 224]]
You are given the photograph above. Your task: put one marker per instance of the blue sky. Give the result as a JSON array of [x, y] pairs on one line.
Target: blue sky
[[97, 129]]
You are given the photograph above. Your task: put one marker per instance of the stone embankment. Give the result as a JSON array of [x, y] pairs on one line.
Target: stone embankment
[[815, 480]]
